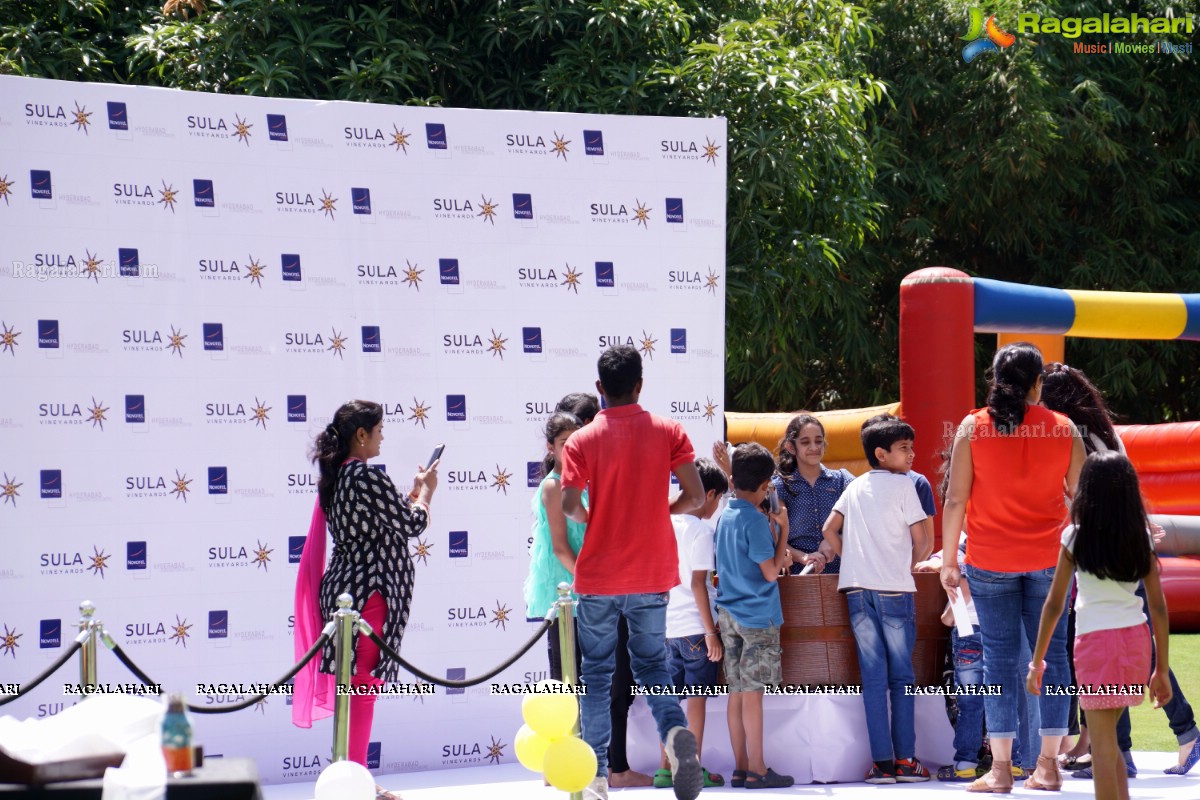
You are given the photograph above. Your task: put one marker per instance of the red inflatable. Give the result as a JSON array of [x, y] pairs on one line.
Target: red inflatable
[[1181, 585]]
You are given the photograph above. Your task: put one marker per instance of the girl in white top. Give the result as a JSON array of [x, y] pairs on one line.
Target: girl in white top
[[1108, 550]]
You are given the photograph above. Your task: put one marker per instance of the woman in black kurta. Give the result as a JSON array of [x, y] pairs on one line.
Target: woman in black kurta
[[370, 524]]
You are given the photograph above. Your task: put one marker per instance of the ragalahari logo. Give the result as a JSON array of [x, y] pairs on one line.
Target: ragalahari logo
[[984, 36]]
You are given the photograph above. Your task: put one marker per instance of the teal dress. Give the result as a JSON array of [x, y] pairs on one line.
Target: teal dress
[[545, 570]]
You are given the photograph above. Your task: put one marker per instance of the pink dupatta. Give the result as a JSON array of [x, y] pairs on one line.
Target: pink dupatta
[[313, 694]]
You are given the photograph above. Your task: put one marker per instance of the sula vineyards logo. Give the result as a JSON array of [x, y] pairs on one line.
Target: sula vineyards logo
[[488, 209], [99, 561], [8, 644], [9, 487], [496, 344], [167, 196], [500, 480], [255, 271], [641, 214], [500, 616], [710, 409], [82, 118], [96, 414], [412, 275], [6, 187], [8, 339], [180, 628], [710, 281], [262, 555], [646, 345], [422, 550], [419, 413], [400, 139], [710, 151], [571, 279], [180, 486], [328, 204], [558, 146], [984, 36]]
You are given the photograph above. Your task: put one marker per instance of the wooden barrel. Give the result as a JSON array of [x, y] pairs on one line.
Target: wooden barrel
[[818, 645]]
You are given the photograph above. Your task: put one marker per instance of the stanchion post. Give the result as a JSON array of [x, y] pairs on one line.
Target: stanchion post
[[346, 619], [566, 644], [87, 653]]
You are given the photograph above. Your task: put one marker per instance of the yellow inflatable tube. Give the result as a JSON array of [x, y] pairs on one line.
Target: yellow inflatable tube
[[841, 432]]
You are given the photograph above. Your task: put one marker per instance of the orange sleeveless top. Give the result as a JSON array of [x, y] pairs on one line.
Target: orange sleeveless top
[[1017, 507]]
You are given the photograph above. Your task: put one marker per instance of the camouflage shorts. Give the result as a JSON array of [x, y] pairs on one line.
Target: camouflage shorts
[[752, 655]]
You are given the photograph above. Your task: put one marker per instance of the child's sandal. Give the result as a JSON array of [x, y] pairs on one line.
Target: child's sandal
[[738, 779], [711, 780]]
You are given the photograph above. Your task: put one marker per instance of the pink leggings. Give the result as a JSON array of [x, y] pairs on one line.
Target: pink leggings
[[362, 707]]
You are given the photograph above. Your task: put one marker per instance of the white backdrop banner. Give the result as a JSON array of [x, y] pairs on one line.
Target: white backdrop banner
[[190, 285]]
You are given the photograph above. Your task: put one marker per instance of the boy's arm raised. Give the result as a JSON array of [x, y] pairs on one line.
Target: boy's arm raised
[[691, 495]]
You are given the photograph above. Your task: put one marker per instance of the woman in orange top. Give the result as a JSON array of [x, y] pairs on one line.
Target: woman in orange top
[[1010, 465]]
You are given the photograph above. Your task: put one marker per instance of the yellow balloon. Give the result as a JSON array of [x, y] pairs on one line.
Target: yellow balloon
[[550, 714], [531, 748], [570, 764]]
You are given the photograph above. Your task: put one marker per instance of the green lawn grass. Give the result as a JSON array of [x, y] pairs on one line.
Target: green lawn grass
[[1150, 729]]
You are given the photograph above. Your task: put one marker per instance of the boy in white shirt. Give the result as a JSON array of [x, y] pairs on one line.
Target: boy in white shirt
[[693, 644], [884, 537]]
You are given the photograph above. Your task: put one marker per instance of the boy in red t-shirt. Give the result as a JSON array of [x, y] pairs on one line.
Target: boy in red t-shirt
[[629, 559]]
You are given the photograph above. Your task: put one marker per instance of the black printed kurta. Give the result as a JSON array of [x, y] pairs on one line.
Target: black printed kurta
[[370, 524]]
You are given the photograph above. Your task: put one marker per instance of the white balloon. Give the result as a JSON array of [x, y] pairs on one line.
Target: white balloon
[[345, 780]]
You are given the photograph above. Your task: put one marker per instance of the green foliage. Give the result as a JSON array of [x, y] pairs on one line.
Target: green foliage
[[861, 146], [1038, 165]]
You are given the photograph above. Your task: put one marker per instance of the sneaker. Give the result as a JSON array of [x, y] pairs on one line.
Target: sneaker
[[686, 776], [910, 770], [882, 772], [597, 789], [960, 772]]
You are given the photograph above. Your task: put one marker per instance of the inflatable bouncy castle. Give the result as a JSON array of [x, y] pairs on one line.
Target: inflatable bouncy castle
[[940, 311]]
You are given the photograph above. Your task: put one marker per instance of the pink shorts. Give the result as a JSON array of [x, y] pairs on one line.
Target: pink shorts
[[1112, 667]]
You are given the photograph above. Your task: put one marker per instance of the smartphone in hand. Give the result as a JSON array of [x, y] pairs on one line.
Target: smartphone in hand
[[773, 499], [437, 453]]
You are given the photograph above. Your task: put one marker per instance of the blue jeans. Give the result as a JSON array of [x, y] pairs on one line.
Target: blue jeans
[[885, 630], [646, 615], [968, 671], [1010, 607]]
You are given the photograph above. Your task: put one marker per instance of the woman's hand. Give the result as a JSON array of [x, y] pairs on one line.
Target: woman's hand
[[950, 579], [1033, 681], [425, 482], [721, 456]]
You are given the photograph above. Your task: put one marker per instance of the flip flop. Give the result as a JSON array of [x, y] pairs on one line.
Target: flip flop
[[662, 779], [711, 780]]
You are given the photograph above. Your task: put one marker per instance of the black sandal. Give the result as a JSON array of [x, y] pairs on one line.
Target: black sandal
[[772, 780]]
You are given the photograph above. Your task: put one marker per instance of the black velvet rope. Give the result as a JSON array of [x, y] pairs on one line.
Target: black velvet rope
[[308, 656], [26, 688], [452, 684]]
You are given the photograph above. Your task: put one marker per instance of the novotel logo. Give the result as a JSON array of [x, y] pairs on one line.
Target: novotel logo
[[458, 544], [606, 277], [135, 555], [678, 340], [522, 206], [218, 480], [435, 136], [51, 484], [48, 334], [370, 339], [296, 548], [277, 128], [361, 199], [202, 191], [118, 117], [291, 267], [50, 634], [135, 408], [531, 340], [297, 408], [218, 624], [593, 143], [675, 209], [127, 262], [214, 336], [456, 408], [533, 474], [448, 271]]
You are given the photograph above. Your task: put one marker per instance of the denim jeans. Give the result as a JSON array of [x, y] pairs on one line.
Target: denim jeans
[[885, 630], [1178, 711], [646, 615], [1010, 607], [968, 671]]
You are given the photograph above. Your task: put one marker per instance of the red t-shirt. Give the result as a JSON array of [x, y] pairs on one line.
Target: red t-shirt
[[1017, 509], [624, 460]]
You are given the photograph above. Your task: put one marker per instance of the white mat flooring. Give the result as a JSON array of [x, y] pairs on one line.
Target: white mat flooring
[[514, 782]]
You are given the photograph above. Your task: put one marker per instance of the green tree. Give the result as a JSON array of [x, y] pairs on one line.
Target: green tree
[[788, 76]]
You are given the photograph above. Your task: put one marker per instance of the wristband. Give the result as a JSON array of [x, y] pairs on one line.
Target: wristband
[[1032, 668]]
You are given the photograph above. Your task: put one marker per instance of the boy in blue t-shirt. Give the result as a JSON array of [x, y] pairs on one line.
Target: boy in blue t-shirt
[[749, 557]]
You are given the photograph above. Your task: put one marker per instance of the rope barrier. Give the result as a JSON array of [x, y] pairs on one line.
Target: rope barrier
[[140, 675], [453, 684], [26, 688]]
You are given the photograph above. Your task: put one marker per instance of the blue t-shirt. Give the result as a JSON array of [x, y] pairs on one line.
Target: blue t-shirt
[[743, 542], [924, 492]]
